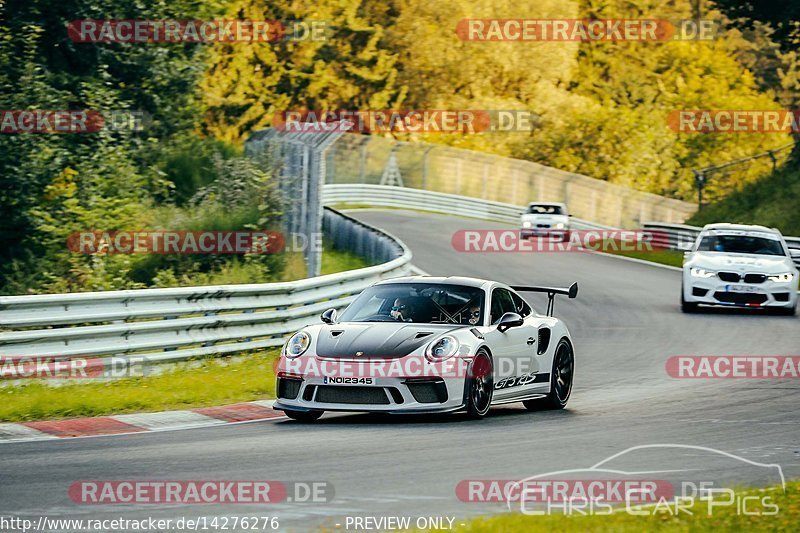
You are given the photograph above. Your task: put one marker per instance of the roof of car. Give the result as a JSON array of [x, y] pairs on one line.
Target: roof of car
[[723, 226], [555, 204], [448, 280]]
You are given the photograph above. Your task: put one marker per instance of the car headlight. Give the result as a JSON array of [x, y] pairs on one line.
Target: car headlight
[[527, 224], [781, 278], [560, 225], [442, 348], [702, 272], [297, 345]]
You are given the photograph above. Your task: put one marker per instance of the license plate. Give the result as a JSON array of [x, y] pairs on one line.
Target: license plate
[[339, 380], [741, 288]]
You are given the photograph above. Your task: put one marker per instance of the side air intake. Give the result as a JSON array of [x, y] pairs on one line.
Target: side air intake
[[544, 340]]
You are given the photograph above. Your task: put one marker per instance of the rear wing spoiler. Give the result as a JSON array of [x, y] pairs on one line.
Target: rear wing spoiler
[[571, 292]]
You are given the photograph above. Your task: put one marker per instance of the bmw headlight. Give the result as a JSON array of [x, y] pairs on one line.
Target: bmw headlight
[[785, 277], [698, 272], [442, 348], [297, 345], [527, 224]]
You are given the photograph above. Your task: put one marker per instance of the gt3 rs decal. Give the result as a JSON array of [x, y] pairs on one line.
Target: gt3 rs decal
[[524, 379]]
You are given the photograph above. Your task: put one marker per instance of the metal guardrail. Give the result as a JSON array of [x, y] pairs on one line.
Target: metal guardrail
[[165, 325], [682, 237], [417, 199]]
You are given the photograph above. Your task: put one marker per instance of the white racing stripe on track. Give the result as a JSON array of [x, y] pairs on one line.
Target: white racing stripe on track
[[13, 432], [168, 420]]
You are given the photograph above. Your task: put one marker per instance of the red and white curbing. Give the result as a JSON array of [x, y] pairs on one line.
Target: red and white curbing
[[138, 423]]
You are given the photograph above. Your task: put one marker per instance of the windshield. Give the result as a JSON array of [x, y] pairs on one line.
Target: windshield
[[545, 210], [740, 244], [427, 303]]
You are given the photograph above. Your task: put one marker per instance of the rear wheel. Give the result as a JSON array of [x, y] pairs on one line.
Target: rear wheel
[[560, 380], [480, 385], [304, 416]]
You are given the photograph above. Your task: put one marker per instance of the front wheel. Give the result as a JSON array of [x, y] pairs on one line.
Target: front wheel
[[560, 380], [786, 311], [480, 385], [687, 307], [304, 416]]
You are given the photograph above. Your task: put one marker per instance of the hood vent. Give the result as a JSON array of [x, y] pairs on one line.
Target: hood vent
[[423, 334], [337, 332]]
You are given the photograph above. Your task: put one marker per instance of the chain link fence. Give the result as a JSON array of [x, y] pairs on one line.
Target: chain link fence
[[714, 181], [381, 161], [299, 160]]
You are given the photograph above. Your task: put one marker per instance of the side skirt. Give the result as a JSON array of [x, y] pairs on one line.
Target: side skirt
[[516, 399]]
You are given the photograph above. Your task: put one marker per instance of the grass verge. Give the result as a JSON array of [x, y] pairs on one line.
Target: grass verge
[[770, 201], [206, 383], [664, 257], [333, 261], [722, 518]]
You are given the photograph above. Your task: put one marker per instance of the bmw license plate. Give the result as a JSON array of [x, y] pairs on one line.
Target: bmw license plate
[[339, 380], [741, 288]]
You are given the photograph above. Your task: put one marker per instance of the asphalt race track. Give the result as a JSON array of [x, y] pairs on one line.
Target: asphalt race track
[[625, 323]]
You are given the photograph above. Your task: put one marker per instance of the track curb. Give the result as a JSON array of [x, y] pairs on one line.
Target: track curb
[[127, 424]]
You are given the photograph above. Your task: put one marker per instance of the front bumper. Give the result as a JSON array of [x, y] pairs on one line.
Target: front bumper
[[395, 394], [714, 291], [527, 233]]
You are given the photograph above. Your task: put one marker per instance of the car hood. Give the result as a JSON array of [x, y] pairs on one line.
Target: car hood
[[377, 339], [741, 262]]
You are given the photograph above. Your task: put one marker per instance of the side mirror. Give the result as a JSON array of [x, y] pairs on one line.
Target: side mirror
[[329, 316], [508, 321]]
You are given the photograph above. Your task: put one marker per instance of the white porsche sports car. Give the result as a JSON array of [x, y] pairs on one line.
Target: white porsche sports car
[[427, 344], [738, 265]]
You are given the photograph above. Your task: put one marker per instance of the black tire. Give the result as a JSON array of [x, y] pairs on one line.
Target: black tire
[[687, 307], [561, 377], [304, 416], [786, 311], [480, 385]]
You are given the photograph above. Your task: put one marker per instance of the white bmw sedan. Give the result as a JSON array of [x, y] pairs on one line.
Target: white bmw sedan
[[742, 266]]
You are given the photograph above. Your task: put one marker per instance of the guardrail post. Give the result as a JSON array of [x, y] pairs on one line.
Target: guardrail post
[[362, 163], [485, 179], [425, 167]]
